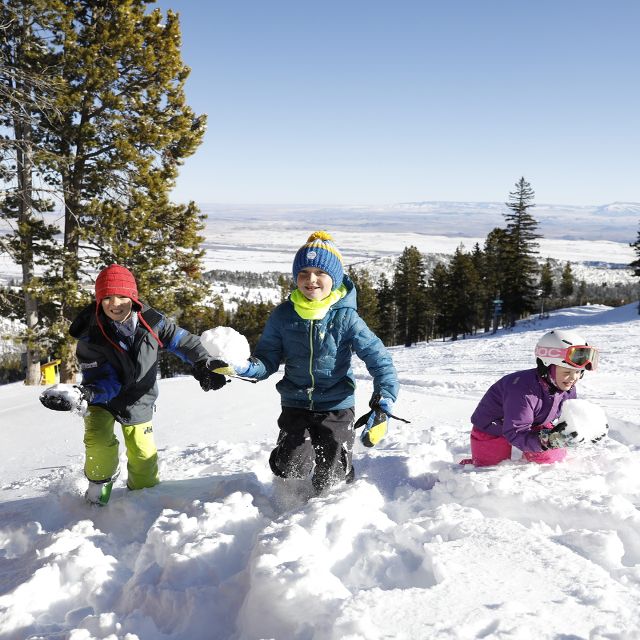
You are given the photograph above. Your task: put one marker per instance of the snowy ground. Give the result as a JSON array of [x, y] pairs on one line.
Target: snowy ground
[[418, 547]]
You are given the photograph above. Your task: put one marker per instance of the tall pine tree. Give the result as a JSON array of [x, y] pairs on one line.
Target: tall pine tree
[[521, 268], [367, 298], [25, 103], [464, 294], [635, 265], [123, 131], [409, 288]]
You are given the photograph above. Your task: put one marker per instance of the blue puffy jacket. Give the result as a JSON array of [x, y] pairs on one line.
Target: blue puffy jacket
[[317, 356]]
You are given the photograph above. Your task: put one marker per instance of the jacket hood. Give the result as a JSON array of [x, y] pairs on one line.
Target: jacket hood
[[351, 297]]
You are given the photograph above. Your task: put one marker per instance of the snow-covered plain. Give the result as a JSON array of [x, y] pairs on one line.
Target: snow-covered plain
[[257, 238], [419, 547]]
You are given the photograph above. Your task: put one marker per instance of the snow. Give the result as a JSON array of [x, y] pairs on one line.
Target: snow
[[584, 420], [226, 344], [418, 547]]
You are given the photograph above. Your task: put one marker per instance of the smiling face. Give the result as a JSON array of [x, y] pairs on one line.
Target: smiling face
[[314, 284], [117, 308], [566, 377]]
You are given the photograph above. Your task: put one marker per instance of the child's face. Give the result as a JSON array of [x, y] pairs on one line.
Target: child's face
[[566, 377], [117, 308], [314, 284]]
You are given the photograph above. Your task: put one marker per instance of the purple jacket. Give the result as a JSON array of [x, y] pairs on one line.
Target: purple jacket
[[516, 404]]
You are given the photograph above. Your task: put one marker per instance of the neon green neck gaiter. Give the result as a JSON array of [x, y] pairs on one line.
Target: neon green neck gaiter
[[315, 309]]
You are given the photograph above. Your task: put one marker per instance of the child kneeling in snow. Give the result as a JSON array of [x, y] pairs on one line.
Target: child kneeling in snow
[[314, 334], [119, 339], [520, 408]]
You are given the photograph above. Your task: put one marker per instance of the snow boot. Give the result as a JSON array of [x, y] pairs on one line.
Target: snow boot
[[99, 492]]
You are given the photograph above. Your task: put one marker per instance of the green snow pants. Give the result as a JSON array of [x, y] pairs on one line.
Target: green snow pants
[[101, 447]]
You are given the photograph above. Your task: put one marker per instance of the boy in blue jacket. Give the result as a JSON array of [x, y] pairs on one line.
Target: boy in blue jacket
[[314, 334]]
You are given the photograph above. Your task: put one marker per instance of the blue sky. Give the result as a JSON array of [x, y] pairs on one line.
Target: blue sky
[[370, 102]]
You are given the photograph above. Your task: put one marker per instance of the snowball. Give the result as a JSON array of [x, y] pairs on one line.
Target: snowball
[[226, 344], [587, 419]]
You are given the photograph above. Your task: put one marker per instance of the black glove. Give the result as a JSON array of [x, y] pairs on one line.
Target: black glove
[[202, 372], [559, 437], [65, 397], [564, 436]]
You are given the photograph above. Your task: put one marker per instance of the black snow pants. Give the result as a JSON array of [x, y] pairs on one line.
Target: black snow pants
[[318, 441]]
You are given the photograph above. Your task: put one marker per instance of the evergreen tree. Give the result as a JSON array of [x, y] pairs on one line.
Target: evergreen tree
[[367, 297], [484, 292], [463, 294], [582, 293], [546, 285], [285, 284], [521, 268], [249, 319], [409, 287], [495, 265], [635, 265], [546, 280], [387, 318], [440, 296], [122, 132], [23, 106], [566, 282]]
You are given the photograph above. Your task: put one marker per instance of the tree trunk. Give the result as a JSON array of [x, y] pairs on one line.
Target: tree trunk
[[24, 165], [68, 365]]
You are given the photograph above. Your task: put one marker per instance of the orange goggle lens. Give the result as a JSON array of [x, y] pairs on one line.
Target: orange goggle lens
[[582, 357]]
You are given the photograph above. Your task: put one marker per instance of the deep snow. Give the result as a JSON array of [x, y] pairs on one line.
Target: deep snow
[[418, 547]]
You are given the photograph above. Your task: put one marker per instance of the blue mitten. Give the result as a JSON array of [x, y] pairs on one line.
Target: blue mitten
[[248, 370]]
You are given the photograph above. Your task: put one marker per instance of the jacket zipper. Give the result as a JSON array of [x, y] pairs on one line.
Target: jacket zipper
[[313, 382]]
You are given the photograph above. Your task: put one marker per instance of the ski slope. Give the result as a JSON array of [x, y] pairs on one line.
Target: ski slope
[[418, 547]]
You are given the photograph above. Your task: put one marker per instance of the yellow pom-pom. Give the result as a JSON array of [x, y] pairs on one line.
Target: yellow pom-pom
[[319, 235]]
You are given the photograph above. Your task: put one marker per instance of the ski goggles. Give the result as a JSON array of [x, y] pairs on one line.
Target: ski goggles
[[577, 356]]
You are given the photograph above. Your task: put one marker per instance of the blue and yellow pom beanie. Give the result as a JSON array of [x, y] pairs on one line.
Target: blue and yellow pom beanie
[[320, 252]]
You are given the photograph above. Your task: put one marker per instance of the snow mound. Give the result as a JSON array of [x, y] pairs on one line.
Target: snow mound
[[586, 418], [226, 344]]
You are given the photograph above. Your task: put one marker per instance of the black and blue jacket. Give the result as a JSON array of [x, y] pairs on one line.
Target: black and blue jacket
[[124, 380]]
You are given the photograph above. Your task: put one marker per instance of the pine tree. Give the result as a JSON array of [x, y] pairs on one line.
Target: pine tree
[[409, 287], [521, 265], [635, 265], [123, 131], [495, 266], [249, 319], [387, 312], [566, 282], [367, 298], [463, 299], [546, 280], [24, 104], [439, 295], [545, 284]]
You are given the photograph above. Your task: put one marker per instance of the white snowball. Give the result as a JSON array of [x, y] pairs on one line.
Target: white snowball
[[587, 419], [226, 344]]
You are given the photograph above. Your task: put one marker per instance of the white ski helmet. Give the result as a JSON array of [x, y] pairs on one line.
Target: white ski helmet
[[566, 349]]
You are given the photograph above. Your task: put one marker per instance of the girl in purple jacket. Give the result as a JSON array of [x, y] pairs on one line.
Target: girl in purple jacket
[[519, 409]]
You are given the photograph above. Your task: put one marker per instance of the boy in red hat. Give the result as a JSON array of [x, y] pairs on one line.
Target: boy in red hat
[[119, 339]]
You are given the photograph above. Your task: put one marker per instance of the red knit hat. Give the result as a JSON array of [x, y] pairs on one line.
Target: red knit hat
[[115, 280]]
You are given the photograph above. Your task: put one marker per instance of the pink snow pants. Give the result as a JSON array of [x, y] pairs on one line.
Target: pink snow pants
[[487, 450]]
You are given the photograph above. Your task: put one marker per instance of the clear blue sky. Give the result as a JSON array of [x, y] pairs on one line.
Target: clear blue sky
[[367, 101]]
